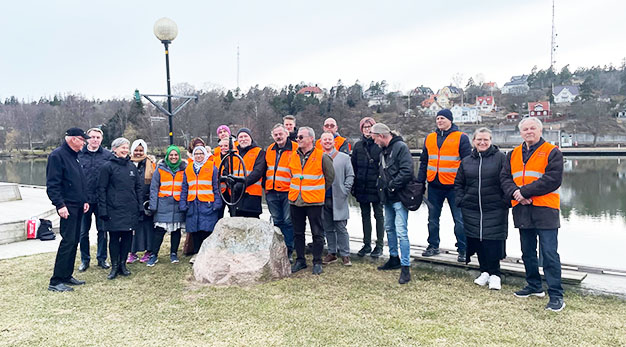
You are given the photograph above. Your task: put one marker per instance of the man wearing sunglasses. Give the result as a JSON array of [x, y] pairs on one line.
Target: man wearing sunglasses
[[312, 173], [341, 143]]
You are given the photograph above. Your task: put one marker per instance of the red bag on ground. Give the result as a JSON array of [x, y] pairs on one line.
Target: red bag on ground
[[31, 228]]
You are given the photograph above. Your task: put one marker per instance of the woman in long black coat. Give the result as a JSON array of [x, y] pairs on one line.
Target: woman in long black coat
[[485, 208], [119, 203]]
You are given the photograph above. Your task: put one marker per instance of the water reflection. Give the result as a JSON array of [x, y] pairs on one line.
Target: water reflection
[[594, 187]]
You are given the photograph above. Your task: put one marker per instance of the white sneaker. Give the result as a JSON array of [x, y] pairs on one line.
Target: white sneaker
[[494, 282], [193, 259], [483, 279]]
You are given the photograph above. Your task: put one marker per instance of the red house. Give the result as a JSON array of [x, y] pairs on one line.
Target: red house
[[540, 109]]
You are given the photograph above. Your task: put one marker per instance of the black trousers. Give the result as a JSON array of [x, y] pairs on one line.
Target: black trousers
[[298, 218], [366, 218], [159, 233], [198, 237], [66, 255], [119, 245]]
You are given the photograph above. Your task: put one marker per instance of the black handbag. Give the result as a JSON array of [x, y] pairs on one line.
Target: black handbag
[[412, 195]]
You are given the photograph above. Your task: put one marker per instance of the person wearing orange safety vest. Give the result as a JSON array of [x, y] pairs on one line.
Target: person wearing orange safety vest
[[440, 159], [200, 197], [312, 173], [531, 177], [341, 143], [278, 180], [254, 164], [165, 189]]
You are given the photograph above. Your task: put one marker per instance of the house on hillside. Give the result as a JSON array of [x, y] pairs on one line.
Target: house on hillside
[[540, 109], [462, 114], [485, 103], [565, 94], [517, 85], [313, 91], [421, 90], [490, 86], [431, 106]]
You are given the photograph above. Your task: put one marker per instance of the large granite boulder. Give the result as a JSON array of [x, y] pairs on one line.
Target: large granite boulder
[[242, 251]]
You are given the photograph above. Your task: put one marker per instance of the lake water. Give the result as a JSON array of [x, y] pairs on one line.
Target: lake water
[[593, 206]]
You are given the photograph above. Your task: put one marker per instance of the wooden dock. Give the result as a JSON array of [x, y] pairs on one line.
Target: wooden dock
[[570, 274]]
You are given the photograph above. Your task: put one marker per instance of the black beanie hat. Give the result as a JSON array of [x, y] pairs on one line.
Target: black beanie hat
[[244, 130], [446, 113]]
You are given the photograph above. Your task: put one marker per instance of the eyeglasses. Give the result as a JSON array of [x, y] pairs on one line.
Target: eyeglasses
[[301, 137], [329, 125], [367, 126]]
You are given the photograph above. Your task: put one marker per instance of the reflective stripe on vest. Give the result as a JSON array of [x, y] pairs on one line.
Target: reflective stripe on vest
[[249, 158], [170, 185], [278, 178], [201, 185], [444, 161], [308, 181], [533, 170]]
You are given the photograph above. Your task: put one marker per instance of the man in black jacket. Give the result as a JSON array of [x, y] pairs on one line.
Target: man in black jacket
[[531, 177], [396, 171], [365, 161], [92, 157], [289, 122], [441, 156], [65, 183]]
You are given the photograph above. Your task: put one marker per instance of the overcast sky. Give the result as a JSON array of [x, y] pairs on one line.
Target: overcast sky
[[105, 49]]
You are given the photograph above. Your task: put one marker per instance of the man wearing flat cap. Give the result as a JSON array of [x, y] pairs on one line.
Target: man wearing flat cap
[[395, 172], [441, 157], [65, 185]]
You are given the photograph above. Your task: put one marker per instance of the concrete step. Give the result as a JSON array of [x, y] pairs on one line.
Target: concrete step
[[9, 192]]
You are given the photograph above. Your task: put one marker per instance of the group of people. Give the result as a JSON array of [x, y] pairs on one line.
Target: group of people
[[137, 201]]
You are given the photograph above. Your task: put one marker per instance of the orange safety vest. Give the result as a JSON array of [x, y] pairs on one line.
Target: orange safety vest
[[339, 141], [308, 180], [533, 170], [249, 158], [444, 161], [170, 185], [278, 176], [201, 185]]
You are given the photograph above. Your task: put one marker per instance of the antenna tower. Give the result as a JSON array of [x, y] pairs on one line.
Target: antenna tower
[[553, 45], [238, 67]]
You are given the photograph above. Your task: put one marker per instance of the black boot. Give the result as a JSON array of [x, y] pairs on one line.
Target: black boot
[[391, 264], [405, 275], [123, 269], [114, 271]]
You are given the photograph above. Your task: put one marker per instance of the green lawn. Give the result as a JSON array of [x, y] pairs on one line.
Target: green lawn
[[357, 306]]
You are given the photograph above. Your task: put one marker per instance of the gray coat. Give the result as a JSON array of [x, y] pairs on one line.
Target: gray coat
[[165, 209], [342, 184]]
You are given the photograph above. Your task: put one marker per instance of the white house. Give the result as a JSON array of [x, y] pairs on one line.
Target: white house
[[563, 94], [518, 85], [463, 114], [485, 103]]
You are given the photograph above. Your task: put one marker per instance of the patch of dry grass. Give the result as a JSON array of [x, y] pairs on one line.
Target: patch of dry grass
[[344, 306]]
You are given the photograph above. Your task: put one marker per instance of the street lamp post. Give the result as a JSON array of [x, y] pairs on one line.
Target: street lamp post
[[166, 31]]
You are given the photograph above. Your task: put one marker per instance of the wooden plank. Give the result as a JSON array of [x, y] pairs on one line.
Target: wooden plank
[[570, 274]]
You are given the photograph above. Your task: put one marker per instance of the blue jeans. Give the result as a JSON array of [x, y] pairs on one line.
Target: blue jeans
[[548, 244], [436, 198], [101, 253], [396, 220], [278, 204]]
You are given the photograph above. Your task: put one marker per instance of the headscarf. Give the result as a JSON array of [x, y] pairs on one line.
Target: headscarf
[[198, 164], [173, 167], [149, 170]]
